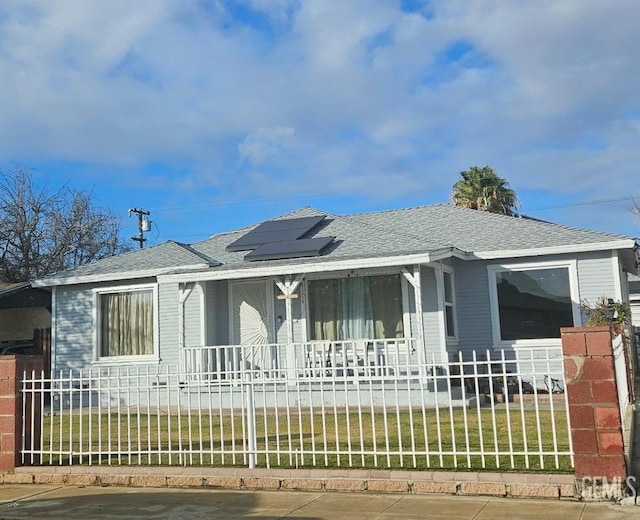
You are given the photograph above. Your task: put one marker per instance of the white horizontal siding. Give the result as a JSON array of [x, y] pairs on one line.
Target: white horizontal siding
[[431, 315], [473, 309], [74, 328], [217, 303], [193, 317], [597, 274], [168, 325]]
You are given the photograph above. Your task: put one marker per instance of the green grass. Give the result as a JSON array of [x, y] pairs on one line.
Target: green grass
[[209, 440]]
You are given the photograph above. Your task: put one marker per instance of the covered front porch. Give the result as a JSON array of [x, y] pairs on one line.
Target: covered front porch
[[356, 324]]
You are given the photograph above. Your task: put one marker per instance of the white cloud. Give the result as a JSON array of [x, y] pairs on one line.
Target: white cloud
[[380, 107], [266, 143]]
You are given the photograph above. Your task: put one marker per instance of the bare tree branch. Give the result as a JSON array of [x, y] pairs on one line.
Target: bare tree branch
[[43, 231]]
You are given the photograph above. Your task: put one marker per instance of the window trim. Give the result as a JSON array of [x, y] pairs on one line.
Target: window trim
[[492, 270], [110, 360]]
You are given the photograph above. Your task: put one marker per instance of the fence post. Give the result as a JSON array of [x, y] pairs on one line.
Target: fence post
[[594, 410], [251, 420], [11, 369]]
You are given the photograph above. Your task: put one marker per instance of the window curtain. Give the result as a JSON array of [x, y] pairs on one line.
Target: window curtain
[[325, 309], [368, 307], [127, 323], [386, 301], [355, 296]]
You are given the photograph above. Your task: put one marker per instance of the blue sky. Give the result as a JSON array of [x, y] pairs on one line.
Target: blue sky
[[217, 114]]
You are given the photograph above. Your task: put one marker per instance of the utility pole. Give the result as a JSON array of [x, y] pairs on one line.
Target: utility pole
[[144, 224]]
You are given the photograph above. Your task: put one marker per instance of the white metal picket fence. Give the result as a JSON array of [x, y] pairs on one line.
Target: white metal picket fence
[[470, 413]]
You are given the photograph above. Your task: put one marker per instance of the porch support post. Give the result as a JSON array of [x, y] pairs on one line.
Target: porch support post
[[289, 314], [183, 294], [415, 281], [288, 288]]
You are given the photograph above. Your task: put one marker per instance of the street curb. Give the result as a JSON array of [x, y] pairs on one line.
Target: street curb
[[516, 485]]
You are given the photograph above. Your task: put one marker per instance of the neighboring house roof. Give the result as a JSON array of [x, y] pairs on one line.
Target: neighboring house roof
[[423, 233], [21, 295], [7, 288]]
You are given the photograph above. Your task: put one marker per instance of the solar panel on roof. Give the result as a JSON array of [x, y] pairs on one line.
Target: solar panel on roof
[[291, 223], [275, 231], [289, 249]]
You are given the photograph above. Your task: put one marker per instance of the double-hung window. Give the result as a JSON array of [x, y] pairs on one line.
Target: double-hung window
[[532, 302], [126, 322]]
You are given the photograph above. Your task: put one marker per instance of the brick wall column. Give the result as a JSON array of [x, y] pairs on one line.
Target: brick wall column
[[11, 370], [594, 412]]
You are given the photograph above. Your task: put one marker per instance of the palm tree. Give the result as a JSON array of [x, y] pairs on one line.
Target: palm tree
[[482, 189]]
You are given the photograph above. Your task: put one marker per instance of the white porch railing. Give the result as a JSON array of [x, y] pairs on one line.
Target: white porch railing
[[359, 359], [492, 413]]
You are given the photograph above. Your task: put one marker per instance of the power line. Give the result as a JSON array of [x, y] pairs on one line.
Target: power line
[[269, 200], [594, 202], [245, 202], [272, 200]]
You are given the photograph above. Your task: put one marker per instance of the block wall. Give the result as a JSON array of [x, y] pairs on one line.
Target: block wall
[[594, 411]]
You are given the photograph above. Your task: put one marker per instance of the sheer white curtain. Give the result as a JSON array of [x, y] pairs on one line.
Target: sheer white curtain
[[366, 307], [356, 308], [127, 323]]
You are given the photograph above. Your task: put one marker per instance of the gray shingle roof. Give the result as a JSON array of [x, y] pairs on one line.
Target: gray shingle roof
[[365, 235], [472, 231], [152, 260]]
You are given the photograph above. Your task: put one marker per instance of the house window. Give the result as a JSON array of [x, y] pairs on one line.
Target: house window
[[126, 323], [366, 307], [533, 303], [449, 304]]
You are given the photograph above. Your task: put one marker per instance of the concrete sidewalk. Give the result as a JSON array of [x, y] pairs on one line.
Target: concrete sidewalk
[[96, 503]]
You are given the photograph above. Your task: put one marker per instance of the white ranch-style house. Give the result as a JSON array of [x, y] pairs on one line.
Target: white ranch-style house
[[312, 294]]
